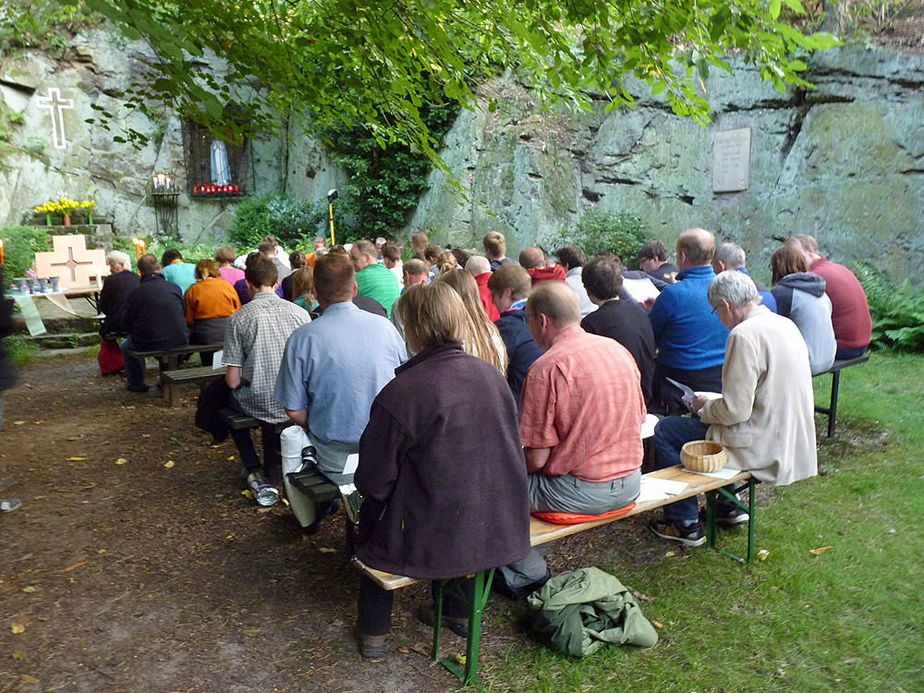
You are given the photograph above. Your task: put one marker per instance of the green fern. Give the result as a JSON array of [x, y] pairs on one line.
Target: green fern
[[897, 311]]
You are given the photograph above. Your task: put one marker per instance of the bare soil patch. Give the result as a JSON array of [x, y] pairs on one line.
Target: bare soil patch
[[124, 574]]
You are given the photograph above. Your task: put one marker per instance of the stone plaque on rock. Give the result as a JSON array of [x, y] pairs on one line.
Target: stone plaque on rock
[[731, 160]]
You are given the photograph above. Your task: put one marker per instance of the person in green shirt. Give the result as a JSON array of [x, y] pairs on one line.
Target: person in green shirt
[[372, 279]]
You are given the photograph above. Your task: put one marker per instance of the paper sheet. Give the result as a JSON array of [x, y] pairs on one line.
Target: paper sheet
[[723, 473], [352, 462], [30, 314], [648, 425], [640, 289], [218, 360], [659, 489]]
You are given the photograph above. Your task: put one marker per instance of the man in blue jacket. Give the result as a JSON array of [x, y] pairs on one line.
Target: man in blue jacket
[[689, 335]]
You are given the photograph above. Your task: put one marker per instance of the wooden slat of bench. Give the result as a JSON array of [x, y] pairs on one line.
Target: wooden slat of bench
[[386, 581], [237, 419], [541, 532], [181, 375]]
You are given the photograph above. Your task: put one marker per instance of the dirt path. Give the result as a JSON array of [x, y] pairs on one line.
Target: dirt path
[[124, 572]]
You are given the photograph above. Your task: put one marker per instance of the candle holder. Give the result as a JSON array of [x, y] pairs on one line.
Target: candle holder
[[54, 283], [164, 194], [20, 284]]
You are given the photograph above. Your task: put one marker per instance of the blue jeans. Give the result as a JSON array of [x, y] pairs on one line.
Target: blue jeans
[[134, 368], [670, 435], [849, 352]]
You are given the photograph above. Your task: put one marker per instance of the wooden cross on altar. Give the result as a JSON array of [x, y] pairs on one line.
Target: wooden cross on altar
[[72, 262]]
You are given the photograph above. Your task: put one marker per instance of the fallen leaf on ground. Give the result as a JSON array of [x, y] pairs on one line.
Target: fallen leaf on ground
[[247, 493], [18, 423], [327, 549], [168, 464], [101, 551], [404, 650], [29, 590], [17, 628], [230, 536], [76, 459], [762, 555], [121, 460], [820, 550], [19, 655], [39, 422], [670, 554], [657, 624], [231, 459], [75, 566], [28, 679], [643, 597]]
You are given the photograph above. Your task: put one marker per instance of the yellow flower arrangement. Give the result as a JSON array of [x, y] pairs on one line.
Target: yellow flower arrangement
[[65, 205]]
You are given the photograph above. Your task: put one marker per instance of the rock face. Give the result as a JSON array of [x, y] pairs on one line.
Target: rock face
[[842, 162], [48, 148]]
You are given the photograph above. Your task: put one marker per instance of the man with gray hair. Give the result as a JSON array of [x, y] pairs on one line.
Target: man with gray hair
[[765, 415], [730, 256], [480, 267], [116, 288]]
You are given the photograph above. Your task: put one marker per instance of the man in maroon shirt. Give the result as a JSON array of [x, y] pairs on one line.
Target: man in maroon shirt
[[849, 309]]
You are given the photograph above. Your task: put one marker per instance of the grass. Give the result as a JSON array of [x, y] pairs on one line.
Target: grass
[[847, 619]]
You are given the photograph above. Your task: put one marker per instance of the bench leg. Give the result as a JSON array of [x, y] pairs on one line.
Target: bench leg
[[482, 590], [711, 497], [832, 407]]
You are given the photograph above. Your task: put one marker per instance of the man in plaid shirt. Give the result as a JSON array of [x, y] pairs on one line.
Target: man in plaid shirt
[[253, 348]]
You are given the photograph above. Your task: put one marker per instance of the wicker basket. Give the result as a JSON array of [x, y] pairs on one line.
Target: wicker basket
[[703, 456]]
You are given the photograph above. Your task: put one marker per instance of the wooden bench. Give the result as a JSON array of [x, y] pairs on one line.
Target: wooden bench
[[169, 359], [541, 532], [835, 370], [171, 380]]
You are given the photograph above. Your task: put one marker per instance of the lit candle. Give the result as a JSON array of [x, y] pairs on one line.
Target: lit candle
[[1, 252]]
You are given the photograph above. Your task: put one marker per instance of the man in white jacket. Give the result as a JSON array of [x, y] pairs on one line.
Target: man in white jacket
[[765, 416]]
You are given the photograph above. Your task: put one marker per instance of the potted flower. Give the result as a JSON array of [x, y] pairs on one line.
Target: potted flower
[[87, 206]]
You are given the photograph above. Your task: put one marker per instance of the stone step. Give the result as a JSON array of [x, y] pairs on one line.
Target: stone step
[[67, 325], [65, 340]]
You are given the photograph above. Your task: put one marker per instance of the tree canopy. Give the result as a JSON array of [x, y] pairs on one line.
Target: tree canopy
[[377, 62]]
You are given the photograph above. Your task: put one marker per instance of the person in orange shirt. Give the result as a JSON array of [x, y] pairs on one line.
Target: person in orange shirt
[[210, 301]]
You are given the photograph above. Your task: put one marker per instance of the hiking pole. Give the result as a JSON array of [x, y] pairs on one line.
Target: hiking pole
[[331, 196]]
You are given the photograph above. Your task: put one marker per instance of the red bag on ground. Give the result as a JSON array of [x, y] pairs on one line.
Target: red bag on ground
[[110, 357]]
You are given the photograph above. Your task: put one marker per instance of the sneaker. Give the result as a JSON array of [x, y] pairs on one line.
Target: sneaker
[[426, 613], [371, 647], [689, 536], [8, 505]]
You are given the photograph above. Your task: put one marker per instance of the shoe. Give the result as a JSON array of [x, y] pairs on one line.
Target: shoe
[[8, 505], [143, 388], [371, 647], [426, 613], [688, 536]]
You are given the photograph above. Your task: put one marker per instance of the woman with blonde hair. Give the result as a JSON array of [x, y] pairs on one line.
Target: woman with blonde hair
[[485, 341], [445, 262], [210, 301], [441, 470], [303, 288]]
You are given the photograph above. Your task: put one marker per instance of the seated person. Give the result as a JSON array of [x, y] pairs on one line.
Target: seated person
[[175, 270], [296, 261], [303, 288], [254, 344], [532, 259], [333, 367], [116, 288], [622, 320], [224, 258], [210, 301], [800, 296], [154, 318], [375, 281], [765, 416], [653, 260], [391, 258], [730, 256], [582, 412], [849, 308], [271, 251], [572, 259], [580, 422], [495, 249], [689, 336], [509, 286], [480, 269], [440, 468]]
